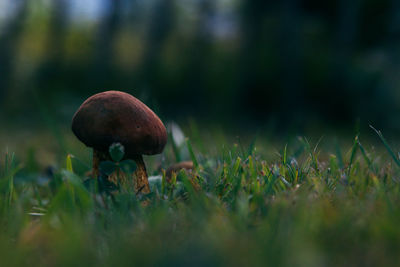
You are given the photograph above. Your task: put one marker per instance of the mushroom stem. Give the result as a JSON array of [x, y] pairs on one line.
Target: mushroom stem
[[98, 156], [141, 182]]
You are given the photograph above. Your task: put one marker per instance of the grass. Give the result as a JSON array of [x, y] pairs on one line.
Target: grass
[[302, 206]]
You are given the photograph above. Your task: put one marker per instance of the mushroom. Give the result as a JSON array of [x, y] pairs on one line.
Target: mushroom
[[113, 116], [175, 168]]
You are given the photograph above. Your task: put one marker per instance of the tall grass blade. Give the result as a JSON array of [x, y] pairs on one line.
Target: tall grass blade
[[69, 163], [285, 155], [192, 155], [252, 146], [385, 143], [311, 153], [365, 156], [353, 154], [175, 148]]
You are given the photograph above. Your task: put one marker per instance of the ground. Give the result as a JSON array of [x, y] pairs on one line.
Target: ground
[[248, 203]]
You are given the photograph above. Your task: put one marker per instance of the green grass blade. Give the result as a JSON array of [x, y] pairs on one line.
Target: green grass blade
[[192, 155], [311, 153], [339, 154], [175, 148], [385, 143], [252, 146], [365, 156], [285, 155], [69, 163], [353, 154]]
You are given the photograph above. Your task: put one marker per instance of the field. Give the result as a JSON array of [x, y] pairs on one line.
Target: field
[[246, 203], [269, 102]]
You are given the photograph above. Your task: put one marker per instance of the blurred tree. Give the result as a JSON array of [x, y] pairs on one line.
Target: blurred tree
[[198, 61], [341, 79], [8, 46], [103, 72], [257, 58], [292, 60], [50, 73], [160, 26]]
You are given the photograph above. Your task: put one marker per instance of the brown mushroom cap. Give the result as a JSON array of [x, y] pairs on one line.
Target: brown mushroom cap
[[114, 116]]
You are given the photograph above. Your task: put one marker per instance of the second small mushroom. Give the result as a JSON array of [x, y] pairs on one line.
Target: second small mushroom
[[175, 168]]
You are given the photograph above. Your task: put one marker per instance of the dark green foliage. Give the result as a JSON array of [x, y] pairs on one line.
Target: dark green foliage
[[117, 152]]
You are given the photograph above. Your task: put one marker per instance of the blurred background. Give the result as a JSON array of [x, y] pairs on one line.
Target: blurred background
[[290, 65]]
